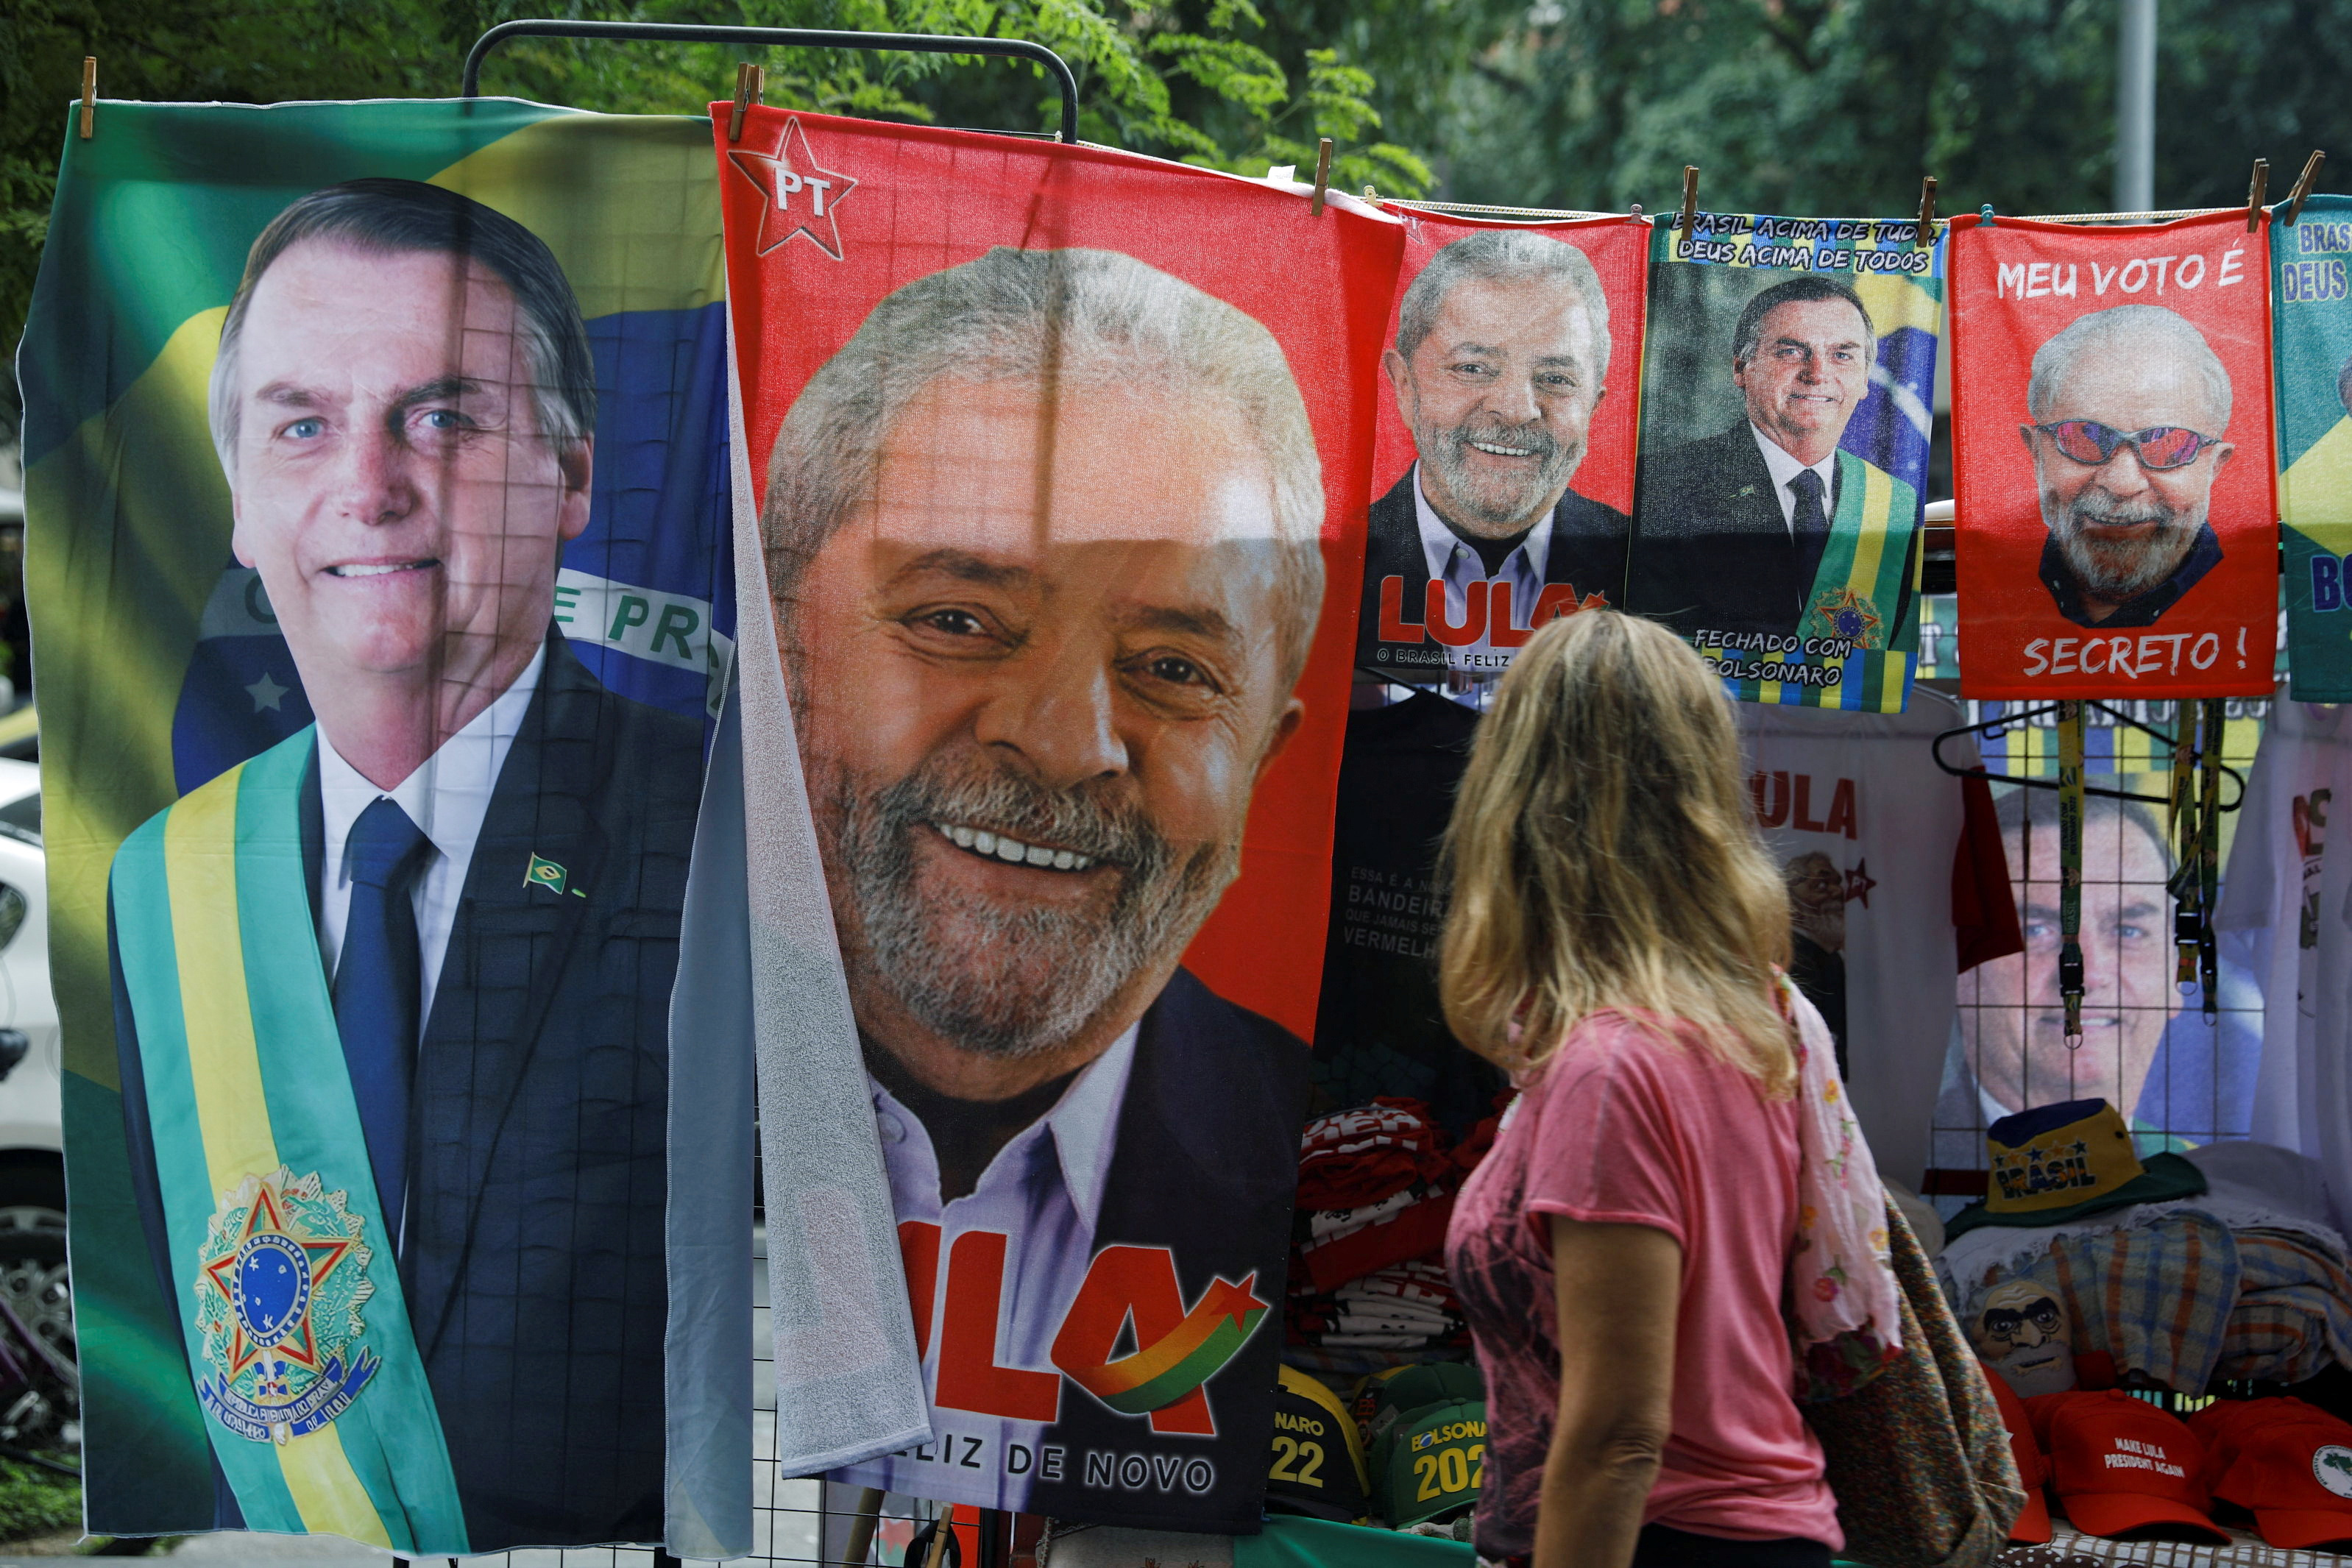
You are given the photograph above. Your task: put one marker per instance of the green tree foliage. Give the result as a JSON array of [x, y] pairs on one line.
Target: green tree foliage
[[1824, 107], [1219, 83], [1838, 107]]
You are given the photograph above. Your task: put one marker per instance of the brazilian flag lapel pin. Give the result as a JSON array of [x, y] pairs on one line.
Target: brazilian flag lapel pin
[[544, 873]]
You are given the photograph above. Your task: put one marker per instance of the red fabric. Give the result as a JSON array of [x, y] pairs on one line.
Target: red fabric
[[1984, 901], [2033, 1525], [2015, 284], [1622, 1126], [1417, 1231], [1363, 1154]]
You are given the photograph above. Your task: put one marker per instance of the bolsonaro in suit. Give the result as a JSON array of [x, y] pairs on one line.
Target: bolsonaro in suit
[[393, 996], [530, 1255]]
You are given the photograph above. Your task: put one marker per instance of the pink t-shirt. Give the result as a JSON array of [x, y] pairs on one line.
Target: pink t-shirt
[[1623, 1127]]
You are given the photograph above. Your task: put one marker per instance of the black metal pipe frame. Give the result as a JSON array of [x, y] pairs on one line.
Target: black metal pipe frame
[[790, 37]]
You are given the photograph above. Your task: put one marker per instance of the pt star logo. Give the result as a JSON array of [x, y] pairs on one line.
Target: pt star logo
[[801, 194]]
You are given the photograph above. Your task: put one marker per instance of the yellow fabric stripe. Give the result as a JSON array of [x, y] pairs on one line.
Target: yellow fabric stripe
[[200, 864], [327, 1491], [1877, 500]]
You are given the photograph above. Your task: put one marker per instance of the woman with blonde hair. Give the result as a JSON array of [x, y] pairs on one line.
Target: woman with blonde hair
[[1614, 937]]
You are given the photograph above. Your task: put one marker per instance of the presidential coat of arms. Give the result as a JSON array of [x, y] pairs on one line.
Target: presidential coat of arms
[[282, 1277], [1846, 614]]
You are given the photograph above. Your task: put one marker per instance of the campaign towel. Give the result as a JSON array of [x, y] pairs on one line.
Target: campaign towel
[[555, 1290], [2111, 448], [1053, 510], [848, 1373], [1787, 389], [1545, 318], [2311, 346]]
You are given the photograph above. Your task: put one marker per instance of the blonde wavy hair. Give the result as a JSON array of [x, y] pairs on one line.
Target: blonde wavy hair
[[1603, 856]]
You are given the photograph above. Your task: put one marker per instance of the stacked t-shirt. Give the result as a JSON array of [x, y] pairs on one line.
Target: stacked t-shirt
[[1376, 1187], [2286, 909], [1898, 881]]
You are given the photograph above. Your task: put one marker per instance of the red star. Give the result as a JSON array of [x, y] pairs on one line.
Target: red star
[[801, 193], [1225, 1298], [1858, 884], [326, 1257]]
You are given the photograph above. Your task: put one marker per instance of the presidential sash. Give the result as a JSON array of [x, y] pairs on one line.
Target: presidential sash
[[1852, 613], [297, 1335]]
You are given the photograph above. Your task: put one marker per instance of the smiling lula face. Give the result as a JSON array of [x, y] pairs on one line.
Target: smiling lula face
[[1810, 372], [1499, 397], [392, 483], [1037, 680]]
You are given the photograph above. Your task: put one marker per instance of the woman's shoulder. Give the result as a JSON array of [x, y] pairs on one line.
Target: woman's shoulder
[[1616, 1046]]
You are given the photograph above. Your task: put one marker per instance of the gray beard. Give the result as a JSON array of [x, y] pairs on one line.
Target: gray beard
[[1501, 505], [1013, 983], [2121, 571]]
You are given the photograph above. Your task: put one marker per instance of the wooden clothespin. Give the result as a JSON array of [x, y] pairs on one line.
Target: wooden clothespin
[[1690, 199], [2302, 183], [750, 84], [1322, 178], [89, 97], [2255, 190], [1927, 210]]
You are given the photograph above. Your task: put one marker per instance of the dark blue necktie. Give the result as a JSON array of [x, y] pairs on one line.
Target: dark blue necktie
[[1812, 530], [376, 983]]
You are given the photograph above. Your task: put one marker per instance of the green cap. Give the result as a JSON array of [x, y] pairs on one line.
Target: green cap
[[1384, 1397], [1432, 1462]]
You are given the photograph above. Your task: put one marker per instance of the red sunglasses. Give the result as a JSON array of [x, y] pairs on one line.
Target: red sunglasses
[[2159, 446]]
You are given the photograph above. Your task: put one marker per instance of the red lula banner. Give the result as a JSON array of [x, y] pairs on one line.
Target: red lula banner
[[2118, 535], [1058, 458], [1503, 476]]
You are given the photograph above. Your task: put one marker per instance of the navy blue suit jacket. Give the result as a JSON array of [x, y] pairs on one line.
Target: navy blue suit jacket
[[1205, 1164], [1589, 541], [533, 1261]]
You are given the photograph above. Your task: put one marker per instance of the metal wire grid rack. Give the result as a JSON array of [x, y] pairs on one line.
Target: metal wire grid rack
[[795, 1521], [2180, 1076], [2244, 1550]]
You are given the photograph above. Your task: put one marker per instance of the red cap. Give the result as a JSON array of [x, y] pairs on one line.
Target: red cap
[[2295, 1472], [2122, 1464], [2032, 1526]]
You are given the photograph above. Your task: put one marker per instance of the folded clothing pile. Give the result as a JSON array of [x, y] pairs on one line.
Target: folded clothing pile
[[1406, 1306], [1376, 1185]]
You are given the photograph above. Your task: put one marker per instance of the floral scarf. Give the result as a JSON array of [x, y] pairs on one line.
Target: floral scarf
[[1841, 1301]]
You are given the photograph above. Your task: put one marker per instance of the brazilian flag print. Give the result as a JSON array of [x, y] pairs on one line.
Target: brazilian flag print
[[2311, 346], [257, 1325]]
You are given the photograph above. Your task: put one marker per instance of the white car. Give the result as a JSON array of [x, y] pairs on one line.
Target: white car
[[32, 1161]]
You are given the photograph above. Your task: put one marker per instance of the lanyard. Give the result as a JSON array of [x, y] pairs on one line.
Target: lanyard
[[2070, 868]]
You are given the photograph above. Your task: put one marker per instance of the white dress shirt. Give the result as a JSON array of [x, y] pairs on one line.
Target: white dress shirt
[[1044, 1193], [446, 798], [1458, 566], [1785, 470]]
